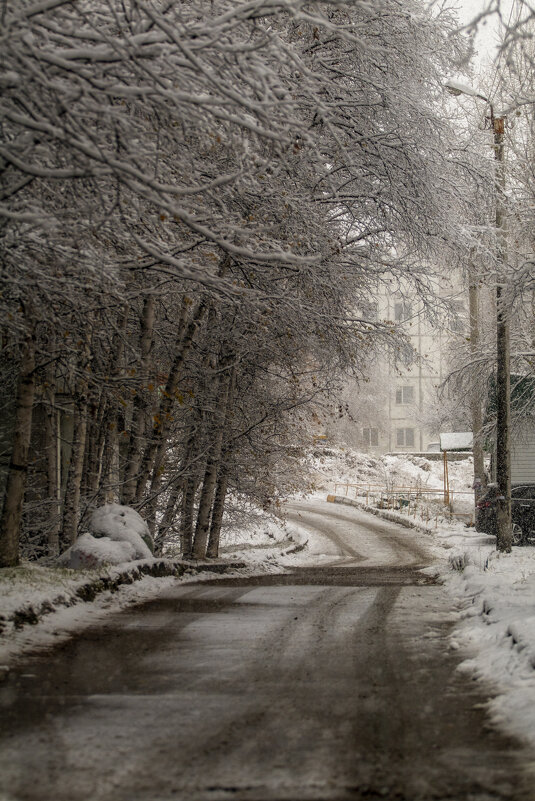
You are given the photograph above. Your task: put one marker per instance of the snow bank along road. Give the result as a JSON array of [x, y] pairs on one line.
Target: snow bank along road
[[332, 683]]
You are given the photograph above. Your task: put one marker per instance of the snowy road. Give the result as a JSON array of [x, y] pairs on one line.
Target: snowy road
[[333, 683]]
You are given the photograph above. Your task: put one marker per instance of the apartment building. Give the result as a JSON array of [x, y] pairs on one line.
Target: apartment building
[[404, 393]]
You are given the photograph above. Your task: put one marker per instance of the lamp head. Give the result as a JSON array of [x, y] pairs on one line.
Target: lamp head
[[457, 88]]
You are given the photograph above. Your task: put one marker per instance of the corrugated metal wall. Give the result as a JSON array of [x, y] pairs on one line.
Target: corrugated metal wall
[[523, 455]]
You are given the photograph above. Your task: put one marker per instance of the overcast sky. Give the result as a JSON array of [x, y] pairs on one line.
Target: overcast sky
[[485, 37]]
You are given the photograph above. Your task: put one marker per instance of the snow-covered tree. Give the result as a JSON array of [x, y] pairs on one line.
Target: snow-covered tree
[[191, 190]]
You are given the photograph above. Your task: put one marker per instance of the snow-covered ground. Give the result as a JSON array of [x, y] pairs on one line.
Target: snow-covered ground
[[33, 588], [496, 625], [495, 630]]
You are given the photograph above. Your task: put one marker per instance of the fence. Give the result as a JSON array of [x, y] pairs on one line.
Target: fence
[[407, 499]]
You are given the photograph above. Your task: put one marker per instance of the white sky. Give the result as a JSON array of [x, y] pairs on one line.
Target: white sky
[[486, 36]]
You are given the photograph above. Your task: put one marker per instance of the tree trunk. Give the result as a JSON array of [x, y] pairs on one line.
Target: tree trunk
[[140, 413], [109, 474], [170, 513], [186, 522], [71, 511], [156, 447], [10, 520], [503, 368], [212, 552], [71, 508], [114, 422], [152, 506], [94, 446], [52, 462], [475, 400], [202, 526]]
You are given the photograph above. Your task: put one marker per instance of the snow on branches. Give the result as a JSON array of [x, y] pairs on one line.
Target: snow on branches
[[205, 191]]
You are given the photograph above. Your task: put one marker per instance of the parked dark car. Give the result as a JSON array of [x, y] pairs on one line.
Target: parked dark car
[[522, 512]]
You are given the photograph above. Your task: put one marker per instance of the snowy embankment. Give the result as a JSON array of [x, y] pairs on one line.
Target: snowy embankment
[[496, 630], [495, 592], [101, 574], [41, 606]]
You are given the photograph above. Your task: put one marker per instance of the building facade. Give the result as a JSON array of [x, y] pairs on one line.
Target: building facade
[[406, 392]]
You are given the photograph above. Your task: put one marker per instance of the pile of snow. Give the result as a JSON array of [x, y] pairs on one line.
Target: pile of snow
[[117, 534], [265, 543], [121, 523], [497, 630], [89, 552]]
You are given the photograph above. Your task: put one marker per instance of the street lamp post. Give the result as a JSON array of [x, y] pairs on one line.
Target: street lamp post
[[475, 391], [503, 372]]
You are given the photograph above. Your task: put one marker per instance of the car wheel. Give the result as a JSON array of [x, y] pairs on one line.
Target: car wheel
[[517, 534]]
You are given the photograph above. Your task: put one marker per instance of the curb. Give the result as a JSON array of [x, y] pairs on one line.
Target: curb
[[391, 516], [32, 614]]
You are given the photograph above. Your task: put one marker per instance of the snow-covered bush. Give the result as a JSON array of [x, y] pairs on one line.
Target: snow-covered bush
[[122, 524], [116, 534], [89, 552]]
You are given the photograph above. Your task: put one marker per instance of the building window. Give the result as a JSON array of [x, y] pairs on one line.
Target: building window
[[371, 437], [458, 319], [404, 395], [370, 313], [405, 437], [402, 311]]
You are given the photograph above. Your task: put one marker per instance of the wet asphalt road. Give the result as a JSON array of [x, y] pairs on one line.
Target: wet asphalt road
[[335, 683]]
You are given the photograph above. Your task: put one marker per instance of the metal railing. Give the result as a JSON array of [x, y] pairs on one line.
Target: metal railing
[[406, 499]]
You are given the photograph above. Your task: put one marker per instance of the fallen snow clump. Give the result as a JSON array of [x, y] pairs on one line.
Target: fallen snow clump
[[116, 534], [88, 552], [121, 523]]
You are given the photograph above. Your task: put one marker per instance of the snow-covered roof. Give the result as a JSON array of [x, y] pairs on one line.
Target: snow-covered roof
[[456, 441]]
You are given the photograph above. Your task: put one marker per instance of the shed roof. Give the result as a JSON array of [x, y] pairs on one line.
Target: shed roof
[[456, 441]]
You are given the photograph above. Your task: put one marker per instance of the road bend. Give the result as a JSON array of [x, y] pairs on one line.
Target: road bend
[[333, 683]]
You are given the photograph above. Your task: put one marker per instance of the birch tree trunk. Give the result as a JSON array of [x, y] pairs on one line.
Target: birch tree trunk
[[140, 404], [10, 521], [71, 508], [186, 522], [202, 526], [169, 514], [212, 551], [52, 462], [156, 447]]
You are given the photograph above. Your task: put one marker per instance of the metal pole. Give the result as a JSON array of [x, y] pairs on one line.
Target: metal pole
[[503, 380], [446, 480], [477, 416]]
